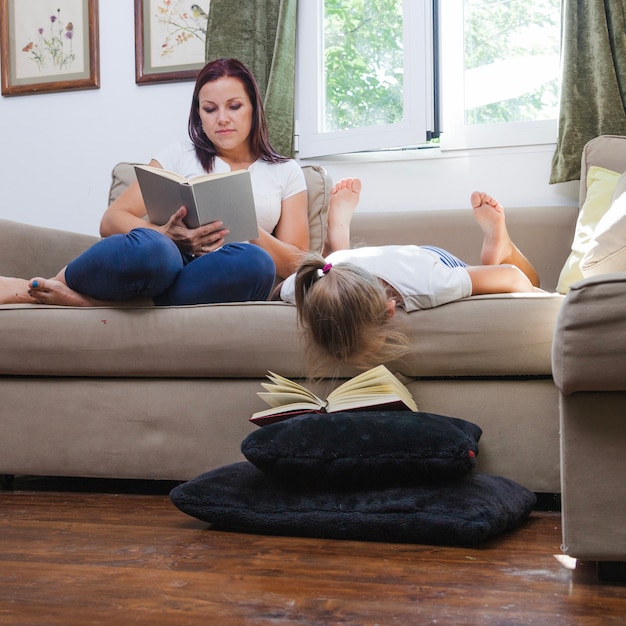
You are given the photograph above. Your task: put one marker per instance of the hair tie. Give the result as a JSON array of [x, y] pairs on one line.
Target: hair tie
[[326, 268]]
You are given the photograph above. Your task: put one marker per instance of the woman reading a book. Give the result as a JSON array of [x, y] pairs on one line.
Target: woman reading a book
[[346, 299], [172, 264]]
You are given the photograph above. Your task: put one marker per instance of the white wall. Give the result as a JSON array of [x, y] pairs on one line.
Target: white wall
[[57, 150], [432, 179]]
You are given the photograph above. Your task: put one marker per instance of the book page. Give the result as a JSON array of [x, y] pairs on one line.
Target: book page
[[161, 172], [366, 388], [277, 399], [202, 177], [363, 381], [289, 390], [376, 387], [379, 394], [287, 411]]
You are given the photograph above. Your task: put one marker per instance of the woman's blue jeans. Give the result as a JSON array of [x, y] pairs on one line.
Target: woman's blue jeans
[[146, 263]]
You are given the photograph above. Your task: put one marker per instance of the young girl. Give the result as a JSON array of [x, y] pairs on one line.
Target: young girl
[[346, 299]]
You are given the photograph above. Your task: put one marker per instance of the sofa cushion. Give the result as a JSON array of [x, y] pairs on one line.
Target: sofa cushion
[[318, 192], [318, 186], [607, 249], [122, 176], [364, 448], [239, 497], [471, 337], [601, 184]]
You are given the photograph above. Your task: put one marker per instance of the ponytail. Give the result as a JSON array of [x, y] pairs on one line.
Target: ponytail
[[344, 310]]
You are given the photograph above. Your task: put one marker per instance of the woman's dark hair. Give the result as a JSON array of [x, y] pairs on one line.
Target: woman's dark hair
[[259, 140]]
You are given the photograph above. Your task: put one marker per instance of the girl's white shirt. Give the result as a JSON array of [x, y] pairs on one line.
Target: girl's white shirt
[[417, 274]]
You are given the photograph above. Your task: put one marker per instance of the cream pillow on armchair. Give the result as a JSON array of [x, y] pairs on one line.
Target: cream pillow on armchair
[[601, 184], [607, 250]]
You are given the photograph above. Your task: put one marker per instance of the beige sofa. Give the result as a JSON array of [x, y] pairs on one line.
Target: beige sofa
[[589, 364], [166, 393]]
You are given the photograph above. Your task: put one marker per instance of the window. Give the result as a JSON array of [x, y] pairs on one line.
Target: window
[[500, 72], [362, 68], [369, 73]]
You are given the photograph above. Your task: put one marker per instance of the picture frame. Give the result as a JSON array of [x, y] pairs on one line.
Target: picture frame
[[170, 40], [49, 46]]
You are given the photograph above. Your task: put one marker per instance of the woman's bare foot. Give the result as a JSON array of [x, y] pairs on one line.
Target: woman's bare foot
[[54, 291], [14, 291], [498, 248], [344, 198]]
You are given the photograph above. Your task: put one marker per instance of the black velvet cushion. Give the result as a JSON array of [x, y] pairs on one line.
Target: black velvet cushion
[[364, 448], [239, 497]]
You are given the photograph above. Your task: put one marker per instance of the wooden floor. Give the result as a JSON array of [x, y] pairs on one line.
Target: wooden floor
[[115, 552]]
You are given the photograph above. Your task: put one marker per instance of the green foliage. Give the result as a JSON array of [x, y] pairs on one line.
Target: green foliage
[[363, 62], [499, 30], [364, 57]]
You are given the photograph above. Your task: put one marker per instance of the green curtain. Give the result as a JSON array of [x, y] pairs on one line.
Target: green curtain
[[593, 92], [261, 34]]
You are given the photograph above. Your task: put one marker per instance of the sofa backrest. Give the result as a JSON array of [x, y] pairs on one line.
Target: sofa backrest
[[543, 233], [318, 189]]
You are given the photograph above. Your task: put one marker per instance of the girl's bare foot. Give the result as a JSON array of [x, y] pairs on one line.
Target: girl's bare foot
[[498, 248], [54, 291], [344, 198], [497, 245], [14, 291]]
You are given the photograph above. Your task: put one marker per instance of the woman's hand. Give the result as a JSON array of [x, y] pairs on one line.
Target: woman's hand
[[195, 241]]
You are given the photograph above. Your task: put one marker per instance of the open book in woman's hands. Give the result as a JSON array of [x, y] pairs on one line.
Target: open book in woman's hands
[[225, 196], [377, 387]]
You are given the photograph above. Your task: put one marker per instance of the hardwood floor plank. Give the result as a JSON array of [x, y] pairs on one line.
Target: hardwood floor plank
[[116, 558]]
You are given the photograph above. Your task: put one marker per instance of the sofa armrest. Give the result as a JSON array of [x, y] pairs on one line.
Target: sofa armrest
[[27, 251], [589, 347]]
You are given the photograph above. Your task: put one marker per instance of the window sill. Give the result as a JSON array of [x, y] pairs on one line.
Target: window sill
[[428, 153]]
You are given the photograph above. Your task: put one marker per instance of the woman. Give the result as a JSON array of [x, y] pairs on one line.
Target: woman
[[174, 265], [346, 299]]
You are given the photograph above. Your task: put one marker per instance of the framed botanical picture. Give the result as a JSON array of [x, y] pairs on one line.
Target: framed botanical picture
[[170, 39], [49, 45]]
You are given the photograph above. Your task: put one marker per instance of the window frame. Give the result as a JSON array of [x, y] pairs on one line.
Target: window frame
[[456, 135], [434, 85], [417, 122]]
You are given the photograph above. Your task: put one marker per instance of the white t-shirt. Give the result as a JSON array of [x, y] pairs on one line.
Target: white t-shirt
[[271, 182], [417, 274]]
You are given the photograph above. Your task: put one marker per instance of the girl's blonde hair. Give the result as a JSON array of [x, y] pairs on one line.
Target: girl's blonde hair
[[345, 311]]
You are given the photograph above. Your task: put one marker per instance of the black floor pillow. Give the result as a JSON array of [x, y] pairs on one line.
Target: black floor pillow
[[239, 497], [364, 448]]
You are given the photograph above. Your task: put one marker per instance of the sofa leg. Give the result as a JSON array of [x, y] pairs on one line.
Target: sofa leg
[[612, 571]]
